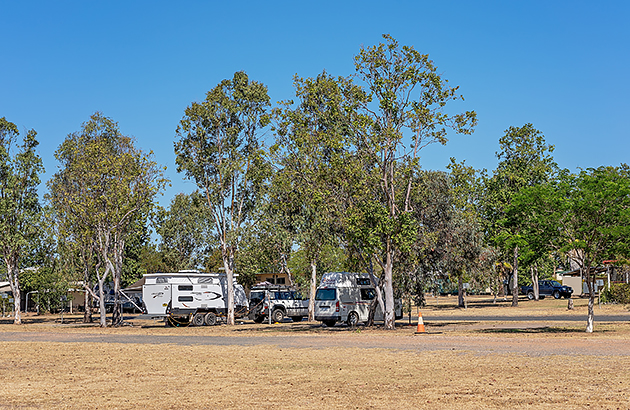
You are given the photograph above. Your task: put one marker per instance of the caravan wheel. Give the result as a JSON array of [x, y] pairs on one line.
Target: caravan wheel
[[197, 320], [210, 319]]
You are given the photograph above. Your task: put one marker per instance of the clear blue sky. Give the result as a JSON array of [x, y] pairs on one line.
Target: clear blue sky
[[562, 65]]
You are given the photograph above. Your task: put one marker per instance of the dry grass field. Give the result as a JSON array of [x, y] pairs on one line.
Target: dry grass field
[[347, 375]]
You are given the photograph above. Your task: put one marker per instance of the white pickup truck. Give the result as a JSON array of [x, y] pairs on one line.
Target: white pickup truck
[[281, 301]]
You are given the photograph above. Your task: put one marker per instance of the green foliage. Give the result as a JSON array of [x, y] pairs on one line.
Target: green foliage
[[50, 284], [186, 232], [19, 202], [618, 293], [219, 148], [102, 195]]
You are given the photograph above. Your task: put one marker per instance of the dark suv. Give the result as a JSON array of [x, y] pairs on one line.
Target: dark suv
[[548, 288]]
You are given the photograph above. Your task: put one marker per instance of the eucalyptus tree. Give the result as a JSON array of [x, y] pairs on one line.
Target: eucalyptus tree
[[403, 113], [186, 232], [586, 216], [312, 153], [219, 147], [464, 230], [19, 203], [525, 159], [104, 187]]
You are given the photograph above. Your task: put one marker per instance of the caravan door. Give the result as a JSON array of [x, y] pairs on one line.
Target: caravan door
[[156, 298]]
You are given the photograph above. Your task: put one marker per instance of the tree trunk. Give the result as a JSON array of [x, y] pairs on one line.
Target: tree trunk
[[460, 291], [101, 301], [313, 289], [14, 283], [119, 248], [535, 288], [285, 268], [228, 264], [591, 300], [87, 315], [388, 286], [379, 296], [515, 279]]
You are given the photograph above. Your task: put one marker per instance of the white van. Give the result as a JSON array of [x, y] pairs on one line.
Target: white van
[[191, 297], [346, 297]]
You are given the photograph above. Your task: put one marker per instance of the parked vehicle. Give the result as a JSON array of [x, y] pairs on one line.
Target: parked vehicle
[[548, 288], [346, 297], [190, 297], [281, 301]]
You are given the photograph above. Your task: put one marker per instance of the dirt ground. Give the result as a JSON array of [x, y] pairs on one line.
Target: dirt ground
[[471, 364]]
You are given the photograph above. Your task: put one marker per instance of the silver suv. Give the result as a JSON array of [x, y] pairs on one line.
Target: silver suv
[[281, 301]]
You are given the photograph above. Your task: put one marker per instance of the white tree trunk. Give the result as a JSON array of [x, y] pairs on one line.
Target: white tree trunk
[[515, 279], [388, 286], [591, 301], [14, 283], [535, 288], [228, 264], [101, 301], [313, 289]]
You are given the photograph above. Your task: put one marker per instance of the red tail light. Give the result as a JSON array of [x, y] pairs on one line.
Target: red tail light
[[337, 307]]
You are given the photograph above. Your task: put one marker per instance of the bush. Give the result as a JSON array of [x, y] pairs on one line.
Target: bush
[[618, 293]]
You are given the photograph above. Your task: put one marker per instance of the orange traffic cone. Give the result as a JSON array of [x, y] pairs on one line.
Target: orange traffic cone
[[420, 324]]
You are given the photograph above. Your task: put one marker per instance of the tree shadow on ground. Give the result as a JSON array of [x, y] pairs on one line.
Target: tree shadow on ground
[[536, 330], [444, 324]]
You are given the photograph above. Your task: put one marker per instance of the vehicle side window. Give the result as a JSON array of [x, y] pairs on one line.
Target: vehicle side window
[[363, 282], [185, 287], [185, 299], [368, 294]]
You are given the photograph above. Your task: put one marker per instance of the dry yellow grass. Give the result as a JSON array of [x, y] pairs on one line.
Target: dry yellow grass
[[115, 376], [51, 375]]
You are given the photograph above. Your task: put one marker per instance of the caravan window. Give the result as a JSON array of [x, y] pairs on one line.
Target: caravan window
[[368, 294], [325, 294], [363, 282], [185, 287], [185, 299]]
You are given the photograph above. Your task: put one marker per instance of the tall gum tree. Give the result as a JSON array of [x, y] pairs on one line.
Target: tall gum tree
[[311, 152], [525, 160], [405, 112], [218, 146], [104, 187], [19, 203]]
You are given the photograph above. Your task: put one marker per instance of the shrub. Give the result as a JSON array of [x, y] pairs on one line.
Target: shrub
[[618, 293]]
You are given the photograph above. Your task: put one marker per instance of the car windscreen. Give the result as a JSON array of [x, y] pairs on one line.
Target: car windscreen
[[325, 294], [554, 283]]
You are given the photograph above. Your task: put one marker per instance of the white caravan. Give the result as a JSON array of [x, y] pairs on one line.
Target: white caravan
[[190, 297], [346, 297]]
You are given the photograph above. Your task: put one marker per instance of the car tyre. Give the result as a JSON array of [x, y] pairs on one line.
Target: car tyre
[[353, 319], [296, 319], [556, 294], [530, 295], [277, 316]]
